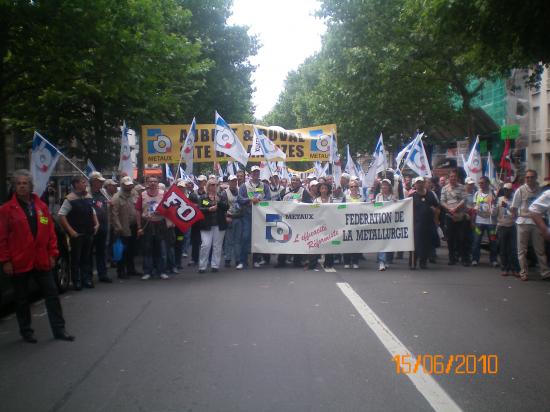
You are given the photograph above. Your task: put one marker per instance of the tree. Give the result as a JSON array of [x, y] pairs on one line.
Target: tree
[[144, 61]]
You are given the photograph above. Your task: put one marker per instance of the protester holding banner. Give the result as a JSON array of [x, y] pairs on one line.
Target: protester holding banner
[[313, 188], [233, 233], [296, 193], [325, 196], [354, 196], [214, 205], [152, 228], [426, 213], [78, 218], [250, 194], [385, 195], [276, 190]]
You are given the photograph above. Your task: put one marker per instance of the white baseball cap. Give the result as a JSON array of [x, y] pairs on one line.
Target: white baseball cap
[[254, 168], [201, 178], [126, 181], [469, 181], [418, 179], [232, 177], [96, 175]]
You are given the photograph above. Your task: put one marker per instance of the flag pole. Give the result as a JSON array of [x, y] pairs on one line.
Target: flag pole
[[61, 153]]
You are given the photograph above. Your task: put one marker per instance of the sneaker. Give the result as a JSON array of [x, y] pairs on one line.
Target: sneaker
[[257, 264], [175, 271], [494, 264], [262, 262], [184, 255], [164, 276], [239, 266], [146, 277], [382, 267], [346, 266], [474, 262], [355, 266]]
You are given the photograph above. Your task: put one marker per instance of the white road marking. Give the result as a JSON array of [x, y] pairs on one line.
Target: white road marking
[[438, 399]]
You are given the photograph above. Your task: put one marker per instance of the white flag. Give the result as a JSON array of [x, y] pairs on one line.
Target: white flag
[[169, 175], [125, 165], [333, 153], [417, 160], [337, 174], [89, 168], [350, 164], [473, 165], [265, 170], [379, 163], [44, 157], [187, 150], [379, 156], [255, 149], [268, 148], [491, 172], [227, 142]]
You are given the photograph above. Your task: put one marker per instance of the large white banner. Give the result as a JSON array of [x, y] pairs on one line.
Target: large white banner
[[301, 228]]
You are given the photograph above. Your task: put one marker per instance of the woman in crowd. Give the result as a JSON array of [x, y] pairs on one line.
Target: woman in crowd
[[325, 196], [214, 206], [385, 195], [426, 212], [354, 196]]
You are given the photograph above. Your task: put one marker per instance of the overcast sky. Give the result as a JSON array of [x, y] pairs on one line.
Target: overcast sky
[[288, 33]]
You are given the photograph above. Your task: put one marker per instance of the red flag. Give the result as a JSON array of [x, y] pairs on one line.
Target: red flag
[[176, 207], [505, 163]]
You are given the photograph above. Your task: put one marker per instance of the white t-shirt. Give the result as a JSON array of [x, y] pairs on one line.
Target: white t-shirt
[[541, 204], [523, 198]]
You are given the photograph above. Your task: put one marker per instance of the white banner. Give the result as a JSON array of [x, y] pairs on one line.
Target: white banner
[[301, 228]]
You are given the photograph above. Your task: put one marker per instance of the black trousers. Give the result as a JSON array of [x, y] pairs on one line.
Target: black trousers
[[457, 239], [126, 266], [195, 243], [178, 247], [100, 249], [47, 285], [81, 259]]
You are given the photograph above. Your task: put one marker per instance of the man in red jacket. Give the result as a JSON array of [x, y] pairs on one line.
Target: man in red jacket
[[28, 247]]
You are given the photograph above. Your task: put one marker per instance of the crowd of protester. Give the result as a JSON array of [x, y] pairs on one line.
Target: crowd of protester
[[99, 212]]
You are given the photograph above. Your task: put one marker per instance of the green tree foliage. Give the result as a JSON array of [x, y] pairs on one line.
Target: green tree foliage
[[76, 69], [395, 65]]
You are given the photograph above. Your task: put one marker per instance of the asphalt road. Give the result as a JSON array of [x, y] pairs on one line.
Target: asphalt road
[[285, 340]]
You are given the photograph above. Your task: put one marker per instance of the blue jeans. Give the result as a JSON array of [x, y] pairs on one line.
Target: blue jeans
[[232, 247], [491, 234], [246, 238], [385, 257]]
